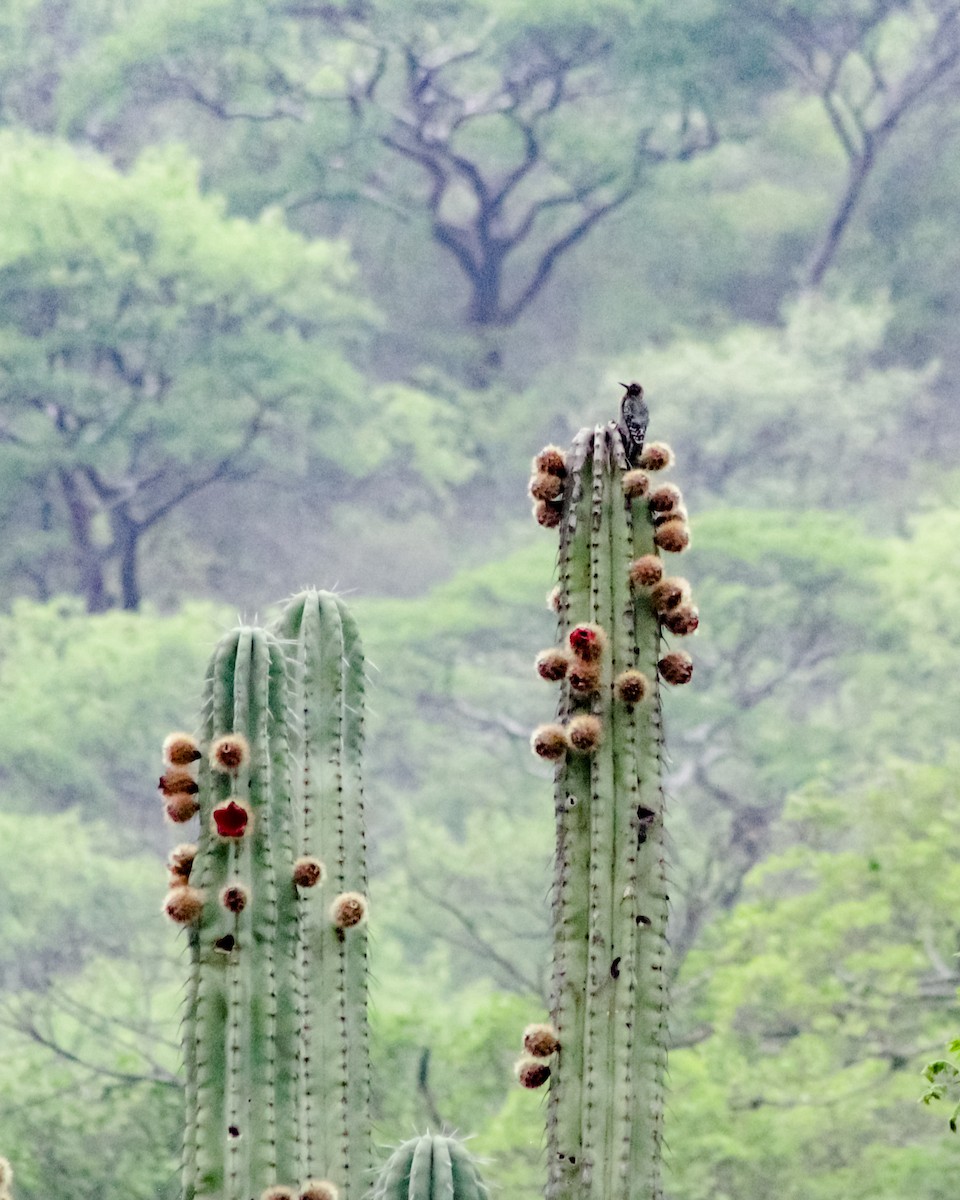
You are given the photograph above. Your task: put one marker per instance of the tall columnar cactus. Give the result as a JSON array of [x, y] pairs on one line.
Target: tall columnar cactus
[[275, 1040], [432, 1167], [607, 1042]]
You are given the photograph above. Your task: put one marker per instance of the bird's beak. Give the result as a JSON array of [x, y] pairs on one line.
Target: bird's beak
[[624, 385]]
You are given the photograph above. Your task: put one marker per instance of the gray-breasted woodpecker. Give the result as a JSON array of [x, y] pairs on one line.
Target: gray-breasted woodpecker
[[634, 416]]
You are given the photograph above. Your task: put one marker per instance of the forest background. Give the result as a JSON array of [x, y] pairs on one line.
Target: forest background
[[290, 292]]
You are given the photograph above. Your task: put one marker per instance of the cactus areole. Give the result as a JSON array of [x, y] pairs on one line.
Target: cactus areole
[[605, 1108]]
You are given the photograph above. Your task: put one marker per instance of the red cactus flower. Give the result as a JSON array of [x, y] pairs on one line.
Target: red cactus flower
[[231, 819], [587, 642]]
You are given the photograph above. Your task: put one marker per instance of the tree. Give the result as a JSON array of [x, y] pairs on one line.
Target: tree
[[511, 132], [873, 65], [150, 348]]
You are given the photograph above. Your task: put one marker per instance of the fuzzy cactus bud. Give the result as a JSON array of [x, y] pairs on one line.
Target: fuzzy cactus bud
[[584, 733], [636, 484], [319, 1189], [231, 819], [180, 749], [549, 741], [532, 1072], [646, 571], [673, 535], [180, 859], [546, 514], [229, 753], [348, 910], [554, 598], [183, 904], [584, 677], [676, 667], [181, 807], [307, 871], [631, 686], [235, 897], [665, 498], [278, 1192], [682, 620], [546, 487], [587, 642], [668, 593], [553, 664], [656, 456], [540, 1040], [550, 461], [177, 779]]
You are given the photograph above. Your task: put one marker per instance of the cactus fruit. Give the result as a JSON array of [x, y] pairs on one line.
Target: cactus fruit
[[275, 1037], [605, 1107], [428, 1168]]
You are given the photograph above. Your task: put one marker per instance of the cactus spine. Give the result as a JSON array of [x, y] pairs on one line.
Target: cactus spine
[[609, 900], [432, 1167], [275, 1037]]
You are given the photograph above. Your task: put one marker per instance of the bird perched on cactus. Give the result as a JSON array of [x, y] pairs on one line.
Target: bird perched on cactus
[[634, 418]]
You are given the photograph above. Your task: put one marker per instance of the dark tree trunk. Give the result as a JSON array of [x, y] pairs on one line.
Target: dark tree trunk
[[89, 557]]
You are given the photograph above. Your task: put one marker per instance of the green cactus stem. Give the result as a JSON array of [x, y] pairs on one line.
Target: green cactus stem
[[609, 901], [326, 674], [431, 1167], [275, 1039]]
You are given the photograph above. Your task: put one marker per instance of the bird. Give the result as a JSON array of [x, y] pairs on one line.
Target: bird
[[634, 416]]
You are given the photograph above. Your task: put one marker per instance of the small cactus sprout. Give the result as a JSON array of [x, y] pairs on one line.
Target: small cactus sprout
[[551, 461], [548, 515], [181, 807], [278, 1192], [553, 664], [348, 910], [656, 456], [665, 498], [631, 686], [584, 677], [180, 749], [540, 1040], [673, 535], [177, 779], [183, 904], [231, 819], [234, 897], [636, 484], [229, 753], [319, 1189], [180, 861], [585, 732], [668, 593], [587, 642], [553, 599], [676, 667], [550, 742], [307, 871], [532, 1072], [546, 487], [682, 620], [646, 571], [432, 1167]]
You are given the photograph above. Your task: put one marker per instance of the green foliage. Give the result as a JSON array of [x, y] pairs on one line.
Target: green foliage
[[71, 686]]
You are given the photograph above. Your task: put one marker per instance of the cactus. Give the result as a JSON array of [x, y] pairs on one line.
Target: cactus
[[604, 1118], [432, 1167], [275, 1040]]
